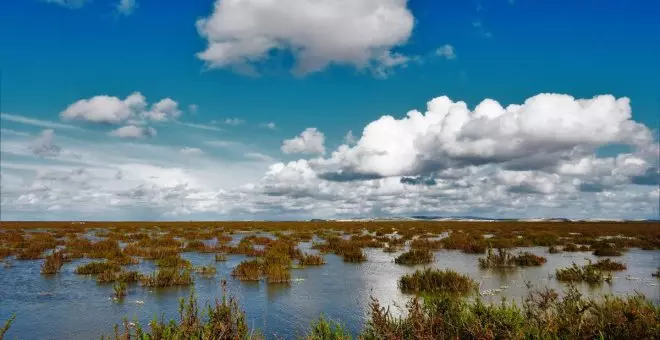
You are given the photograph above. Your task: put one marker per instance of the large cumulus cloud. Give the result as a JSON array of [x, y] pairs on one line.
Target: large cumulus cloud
[[359, 33]]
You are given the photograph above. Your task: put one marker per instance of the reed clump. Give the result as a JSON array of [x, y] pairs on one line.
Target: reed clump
[[606, 250], [354, 255], [543, 315], [586, 273], [609, 265], [206, 271], [415, 256], [220, 257], [437, 281], [277, 273], [311, 260], [53, 263], [324, 329], [504, 259], [120, 290], [249, 270], [223, 320], [167, 277], [97, 267]]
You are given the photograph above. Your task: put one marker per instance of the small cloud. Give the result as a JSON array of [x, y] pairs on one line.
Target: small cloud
[[202, 126], [192, 108], [350, 139], [191, 151], [446, 51], [132, 131], [259, 156], [44, 145], [35, 122], [269, 125], [68, 3], [126, 7], [310, 141], [234, 121]]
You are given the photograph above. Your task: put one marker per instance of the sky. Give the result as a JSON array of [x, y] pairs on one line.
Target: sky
[[299, 109]]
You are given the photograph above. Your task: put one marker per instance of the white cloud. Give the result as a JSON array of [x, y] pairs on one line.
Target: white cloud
[[538, 133], [446, 51], [165, 109], [35, 122], [132, 131], [191, 151], [202, 126], [44, 145], [192, 108], [350, 139], [126, 7], [105, 109], [269, 125], [317, 32], [234, 121], [310, 141], [68, 3]]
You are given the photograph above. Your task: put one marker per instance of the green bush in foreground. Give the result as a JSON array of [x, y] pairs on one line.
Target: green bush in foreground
[[437, 281], [223, 320], [323, 329]]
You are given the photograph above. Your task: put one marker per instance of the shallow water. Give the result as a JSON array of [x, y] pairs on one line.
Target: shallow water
[[69, 306]]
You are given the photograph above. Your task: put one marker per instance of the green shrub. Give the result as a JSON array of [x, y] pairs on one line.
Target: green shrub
[[97, 267]]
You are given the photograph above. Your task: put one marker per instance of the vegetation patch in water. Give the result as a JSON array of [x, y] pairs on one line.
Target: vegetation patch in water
[[437, 281], [114, 276], [53, 263], [120, 290], [167, 277], [504, 259], [249, 270], [609, 265], [97, 267], [311, 260], [354, 256], [587, 273], [415, 256]]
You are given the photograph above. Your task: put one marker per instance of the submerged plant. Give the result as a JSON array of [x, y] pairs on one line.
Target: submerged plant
[[119, 290]]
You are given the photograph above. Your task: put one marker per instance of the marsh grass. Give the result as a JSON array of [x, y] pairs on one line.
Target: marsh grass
[[505, 259], [207, 271], [311, 260], [437, 281], [6, 326], [277, 273], [415, 256], [53, 263], [606, 250], [167, 277], [220, 257], [223, 320], [609, 265], [249, 270], [120, 290], [355, 255], [97, 267], [543, 315], [324, 329], [586, 273]]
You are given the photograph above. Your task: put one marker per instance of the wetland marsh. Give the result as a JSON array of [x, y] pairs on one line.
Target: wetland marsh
[[77, 280]]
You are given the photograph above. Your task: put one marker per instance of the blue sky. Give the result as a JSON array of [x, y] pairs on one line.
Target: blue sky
[[57, 52]]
